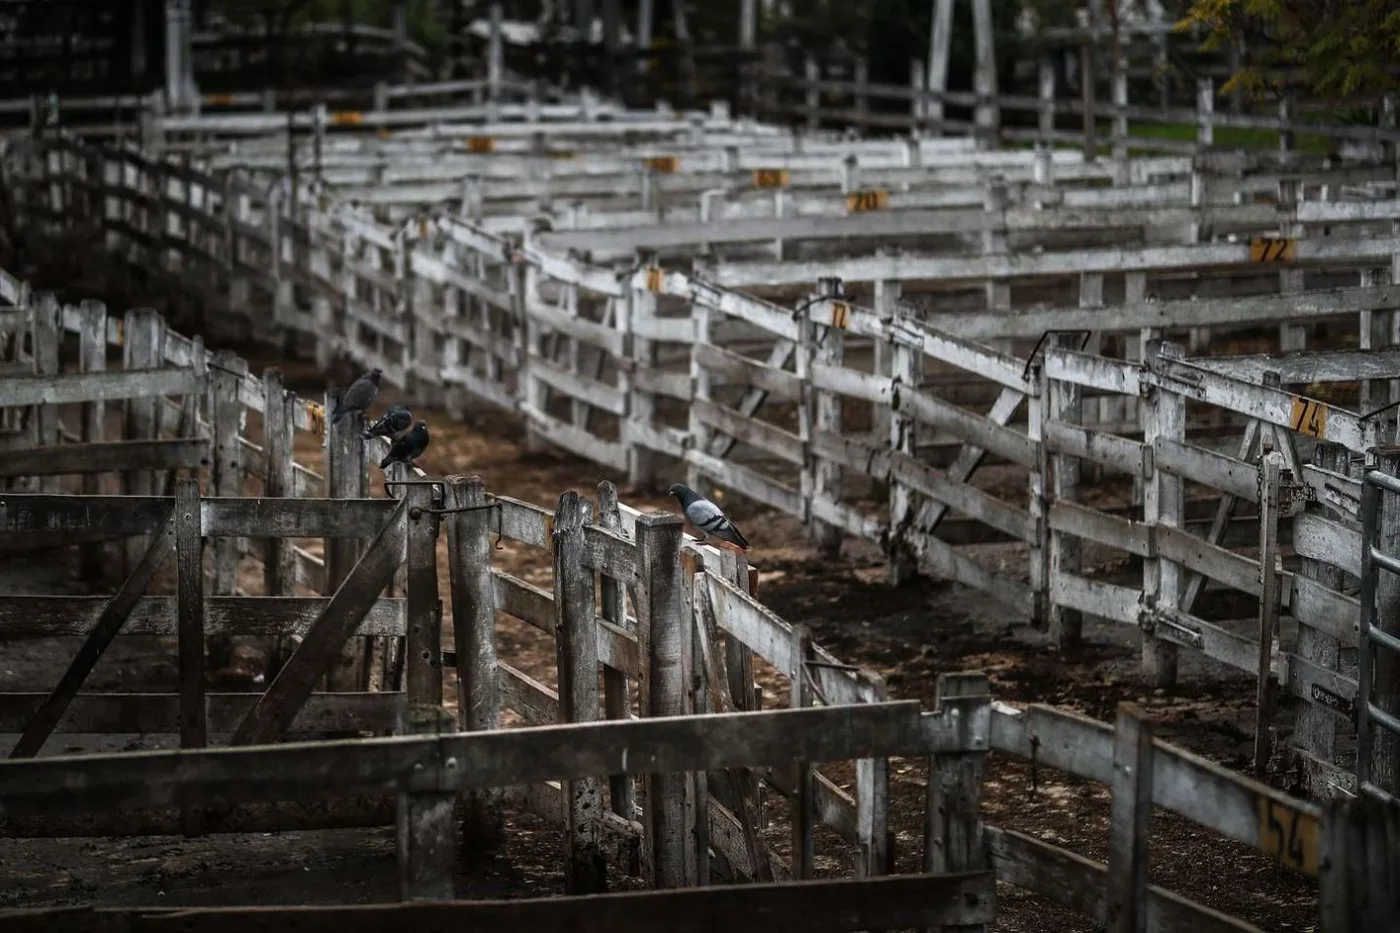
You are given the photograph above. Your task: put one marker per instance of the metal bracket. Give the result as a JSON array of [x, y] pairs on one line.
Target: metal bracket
[[1168, 623]]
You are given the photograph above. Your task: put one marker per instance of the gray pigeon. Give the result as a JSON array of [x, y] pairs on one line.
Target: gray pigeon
[[390, 423], [407, 447], [707, 517], [359, 396]]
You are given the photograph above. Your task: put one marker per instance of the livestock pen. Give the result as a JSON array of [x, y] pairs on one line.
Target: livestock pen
[[446, 305]]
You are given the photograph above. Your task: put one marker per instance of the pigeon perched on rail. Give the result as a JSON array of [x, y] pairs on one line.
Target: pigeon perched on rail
[[707, 517], [359, 396], [407, 447], [390, 423]]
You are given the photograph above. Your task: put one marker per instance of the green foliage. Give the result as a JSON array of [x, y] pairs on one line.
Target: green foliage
[[1333, 48]]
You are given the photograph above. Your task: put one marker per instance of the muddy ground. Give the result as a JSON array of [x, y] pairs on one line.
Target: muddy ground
[[909, 634]]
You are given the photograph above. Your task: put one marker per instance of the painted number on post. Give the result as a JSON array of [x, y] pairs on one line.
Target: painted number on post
[[481, 144], [770, 178], [219, 100], [662, 163], [1289, 835], [347, 118], [654, 279], [873, 199], [1308, 416], [1273, 249], [840, 315]]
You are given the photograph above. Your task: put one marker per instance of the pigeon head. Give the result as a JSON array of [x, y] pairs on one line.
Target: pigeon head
[[420, 425], [374, 375], [684, 493]]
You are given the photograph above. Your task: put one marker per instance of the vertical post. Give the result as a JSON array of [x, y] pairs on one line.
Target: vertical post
[[827, 418], [1290, 277], [1087, 92], [953, 831], [1066, 404], [424, 820], [1271, 470], [347, 478], [661, 629], [641, 461], [987, 117], [576, 638], [92, 358], [227, 416], [803, 811], [1360, 859], [873, 835], [47, 333], [1164, 416], [474, 637], [812, 72], [1038, 498], [617, 696], [144, 335], [1385, 667], [423, 646], [906, 373], [1131, 784], [1205, 114], [1120, 116], [1315, 731], [1046, 110], [940, 42], [279, 481], [189, 558]]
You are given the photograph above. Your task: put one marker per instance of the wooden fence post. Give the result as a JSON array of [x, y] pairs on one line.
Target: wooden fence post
[[1131, 784], [92, 358], [279, 481], [144, 347], [1066, 402], [1315, 730], [641, 461], [347, 477], [1270, 480], [802, 805], [1087, 91], [1205, 114], [953, 832], [1164, 416], [1046, 110], [189, 563], [474, 638], [423, 648], [825, 345], [906, 373], [424, 818], [226, 417], [661, 628], [576, 637], [46, 334], [617, 696], [874, 852], [1360, 862]]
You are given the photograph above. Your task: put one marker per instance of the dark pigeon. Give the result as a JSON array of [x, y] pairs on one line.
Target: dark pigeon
[[359, 396], [407, 447], [390, 423], [707, 517]]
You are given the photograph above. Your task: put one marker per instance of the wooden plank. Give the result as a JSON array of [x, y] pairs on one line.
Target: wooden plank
[[1098, 446], [533, 701], [338, 620], [1080, 883], [840, 905], [68, 388], [750, 372], [111, 457], [1126, 902], [1216, 470], [1124, 534], [1118, 603], [1328, 541], [617, 692], [766, 437], [46, 717], [50, 616], [961, 497], [295, 518], [976, 430], [159, 713], [189, 561], [110, 516]]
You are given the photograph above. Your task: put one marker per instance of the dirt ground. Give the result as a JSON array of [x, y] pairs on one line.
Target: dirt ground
[[909, 634]]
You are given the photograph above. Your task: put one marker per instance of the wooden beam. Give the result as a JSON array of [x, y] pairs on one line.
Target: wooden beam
[[111, 457]]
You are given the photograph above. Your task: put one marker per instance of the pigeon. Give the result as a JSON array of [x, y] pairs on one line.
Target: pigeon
[[390, 423], [359, 396], [407, 447], [707, 517]]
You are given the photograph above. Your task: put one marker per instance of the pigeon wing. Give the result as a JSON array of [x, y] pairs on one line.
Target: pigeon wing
[[708, 517]]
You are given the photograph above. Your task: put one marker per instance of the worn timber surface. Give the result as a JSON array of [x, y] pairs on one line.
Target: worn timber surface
[[909, 635]]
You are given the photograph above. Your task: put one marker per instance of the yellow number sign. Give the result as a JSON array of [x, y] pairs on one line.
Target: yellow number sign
[[1308, 416], [1289, 835], [662, 163], [1273, 249], [347, 118], [840, 315], [770, 178], [654, 279], [481, 144], [872, 199]]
